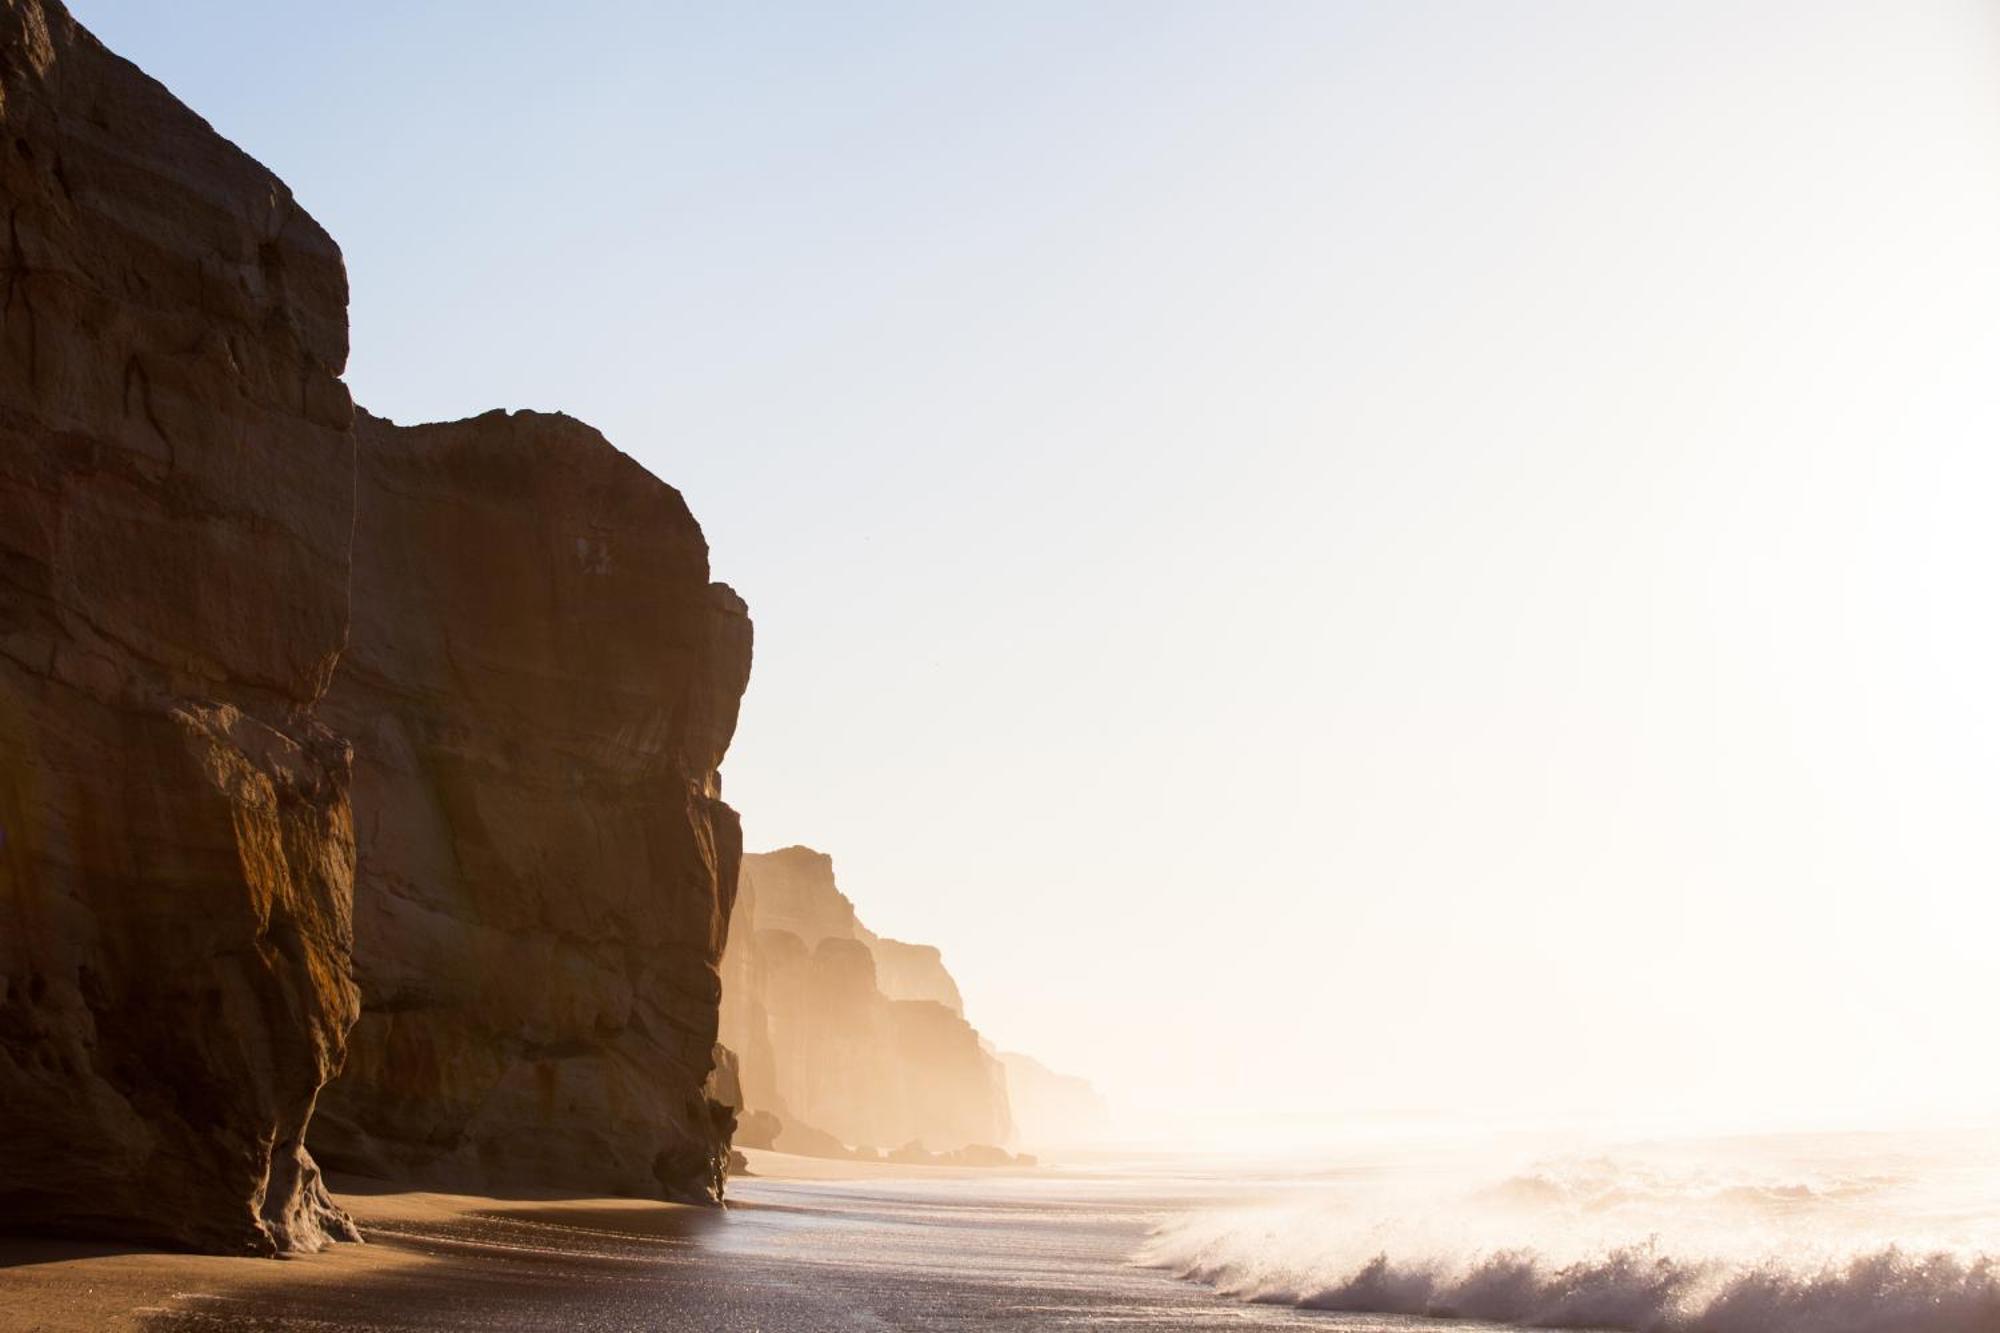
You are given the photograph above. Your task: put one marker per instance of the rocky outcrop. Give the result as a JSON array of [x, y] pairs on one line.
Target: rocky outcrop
[[540, 684], [829, 1050], [176, 850]]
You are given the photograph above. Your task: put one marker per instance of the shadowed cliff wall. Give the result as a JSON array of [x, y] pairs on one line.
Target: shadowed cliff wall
[[540, 685], [176, 851], [539, 677]]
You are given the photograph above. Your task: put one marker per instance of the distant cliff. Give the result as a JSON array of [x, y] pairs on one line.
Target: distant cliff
[[1052, 1110], [540, 683], [912, 972], [530, 698], [796, 894], [843, 1035]]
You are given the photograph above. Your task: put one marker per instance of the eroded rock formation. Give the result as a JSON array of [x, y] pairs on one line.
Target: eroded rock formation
[[176, 852], [540, 684], [837, 1056]]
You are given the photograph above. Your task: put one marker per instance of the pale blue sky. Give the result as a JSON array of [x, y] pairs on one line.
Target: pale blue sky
[[1337, 554]]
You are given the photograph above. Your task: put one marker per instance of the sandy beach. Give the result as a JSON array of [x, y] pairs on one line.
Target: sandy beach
[[805, 1244]]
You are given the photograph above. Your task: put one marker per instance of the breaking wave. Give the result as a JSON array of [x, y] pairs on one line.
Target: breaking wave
[[1645, 1245], [1644, 1290]]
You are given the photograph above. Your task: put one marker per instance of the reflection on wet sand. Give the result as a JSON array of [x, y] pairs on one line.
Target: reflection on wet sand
[[924, 1250]]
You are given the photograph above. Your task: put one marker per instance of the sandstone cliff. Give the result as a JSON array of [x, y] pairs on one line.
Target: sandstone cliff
[[912, 972], [825, 1045], [540, 683], [176, 851], [538, 675]]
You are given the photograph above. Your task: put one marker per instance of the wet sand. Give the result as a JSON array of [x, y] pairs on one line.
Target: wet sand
[[805, 1245]]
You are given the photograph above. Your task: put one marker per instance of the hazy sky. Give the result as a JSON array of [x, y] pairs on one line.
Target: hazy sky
[[1397, 554]]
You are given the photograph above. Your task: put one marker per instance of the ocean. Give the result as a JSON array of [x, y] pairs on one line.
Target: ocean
[[1774, 1233]]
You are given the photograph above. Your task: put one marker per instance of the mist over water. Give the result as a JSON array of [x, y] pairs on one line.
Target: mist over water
[[1859, 1233]]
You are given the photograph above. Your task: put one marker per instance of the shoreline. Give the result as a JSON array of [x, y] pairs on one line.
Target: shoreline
[[808, 1245], [420, 1248], [53, 1285]]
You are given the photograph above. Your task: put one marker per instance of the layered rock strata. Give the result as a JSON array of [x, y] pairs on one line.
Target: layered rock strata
[[540, 683], [176, 850]]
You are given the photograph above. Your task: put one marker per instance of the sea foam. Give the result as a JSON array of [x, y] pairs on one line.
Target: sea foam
[[1787, 1236]]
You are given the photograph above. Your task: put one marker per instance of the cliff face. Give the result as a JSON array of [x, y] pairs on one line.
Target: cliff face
[[539, 680], [796, 894], [539, 684], [1051, 1109], [825, 1045], [912, 972], [176, 851]]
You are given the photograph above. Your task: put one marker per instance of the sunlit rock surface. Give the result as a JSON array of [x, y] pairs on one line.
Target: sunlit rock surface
[[539, 686], [176, 851], [912, 972], [848, 1039]]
